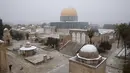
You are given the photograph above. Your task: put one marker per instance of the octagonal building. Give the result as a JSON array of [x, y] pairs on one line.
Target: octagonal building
[[87, 60], [69, 20]]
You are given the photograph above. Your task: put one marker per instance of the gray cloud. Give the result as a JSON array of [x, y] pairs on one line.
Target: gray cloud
[[38, 11]]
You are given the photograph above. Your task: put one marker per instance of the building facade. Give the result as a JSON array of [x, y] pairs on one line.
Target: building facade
[[70, 25]]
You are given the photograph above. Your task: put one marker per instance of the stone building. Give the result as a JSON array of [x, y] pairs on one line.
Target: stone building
[[100, 35], [6, 36], [69, 20], [49, 29], [3, 58], [78, 35], [87, 60]]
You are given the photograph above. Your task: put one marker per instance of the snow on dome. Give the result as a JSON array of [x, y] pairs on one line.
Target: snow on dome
[[28, 48], [28, 44], [89, 51], [1, 41], [88, 48], [22, 28], [5, 29]]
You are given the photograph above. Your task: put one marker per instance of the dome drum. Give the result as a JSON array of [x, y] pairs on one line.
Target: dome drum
[[93, 61], [68, 18], [89, 54]]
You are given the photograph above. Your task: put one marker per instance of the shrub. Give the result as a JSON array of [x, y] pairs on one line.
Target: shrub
[[105, 45], [126, 67]]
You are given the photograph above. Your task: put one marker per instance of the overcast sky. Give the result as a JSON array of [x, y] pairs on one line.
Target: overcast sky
[[39, 11]]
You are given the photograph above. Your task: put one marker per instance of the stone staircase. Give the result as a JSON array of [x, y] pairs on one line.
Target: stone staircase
[[71, 48]]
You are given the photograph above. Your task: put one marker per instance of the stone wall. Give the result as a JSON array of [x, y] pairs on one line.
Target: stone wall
[[3, 60], [78, 67]]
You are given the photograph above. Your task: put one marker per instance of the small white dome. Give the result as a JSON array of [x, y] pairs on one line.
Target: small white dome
[[88, 48], [1, 41], [89, 51], [23, 28], [5, 29], [28, 44]]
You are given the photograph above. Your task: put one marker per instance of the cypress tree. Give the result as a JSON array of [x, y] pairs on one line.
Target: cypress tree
[[1, 29]]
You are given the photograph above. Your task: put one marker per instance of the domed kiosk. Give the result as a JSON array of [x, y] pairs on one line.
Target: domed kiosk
[[28, 49], [88, 60]]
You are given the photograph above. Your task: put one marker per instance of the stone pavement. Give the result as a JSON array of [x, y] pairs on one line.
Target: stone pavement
[[60, 63], [62, 69], [18, 61], [114, 64]]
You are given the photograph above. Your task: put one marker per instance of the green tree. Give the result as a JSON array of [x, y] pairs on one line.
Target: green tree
[[122, 31], [1, 29], [105, 45], [126, 67], [7, 26], [119, 30], [90, 33]]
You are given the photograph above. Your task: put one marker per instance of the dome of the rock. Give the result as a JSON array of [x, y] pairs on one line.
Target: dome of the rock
[[69, 12]]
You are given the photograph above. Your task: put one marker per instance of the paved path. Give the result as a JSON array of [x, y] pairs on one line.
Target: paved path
[[114, 64], [60, 63], [17, 63]]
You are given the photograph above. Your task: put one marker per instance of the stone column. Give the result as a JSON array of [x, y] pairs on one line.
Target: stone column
[[45, 58], [71, 35], [80, 37], [44, 29], [75, 36], [86, 39]]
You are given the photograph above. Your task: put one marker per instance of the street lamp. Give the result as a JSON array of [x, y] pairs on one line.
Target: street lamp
[[126, 46]]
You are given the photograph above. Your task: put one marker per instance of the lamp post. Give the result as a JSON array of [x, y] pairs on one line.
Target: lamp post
[[126, 46], [125, 50]]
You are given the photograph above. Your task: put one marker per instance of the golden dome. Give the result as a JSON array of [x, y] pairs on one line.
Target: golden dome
[[69, 12]]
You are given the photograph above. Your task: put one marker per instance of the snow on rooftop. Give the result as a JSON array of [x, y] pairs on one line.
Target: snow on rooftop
[[1, 41], [23, 28], [88, 48], [5, 29], [104, 31], [29, 48]]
